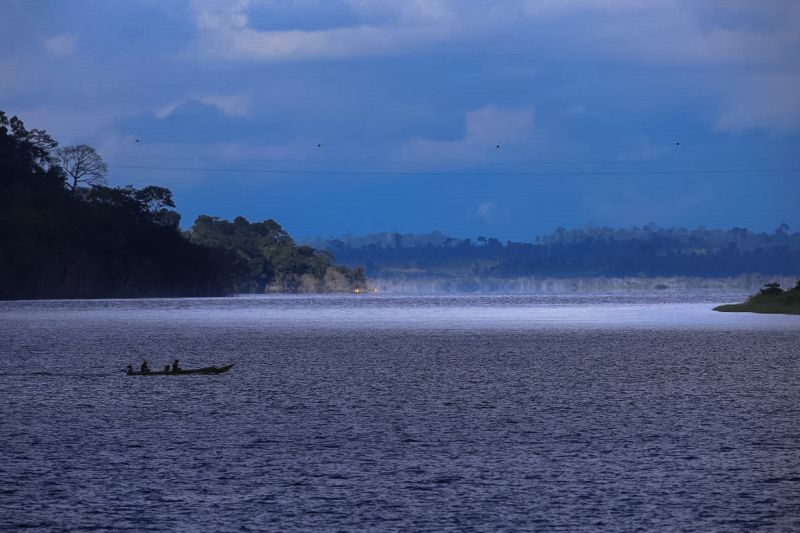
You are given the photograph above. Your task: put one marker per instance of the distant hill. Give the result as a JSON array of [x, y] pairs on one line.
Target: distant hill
[[589, 252]]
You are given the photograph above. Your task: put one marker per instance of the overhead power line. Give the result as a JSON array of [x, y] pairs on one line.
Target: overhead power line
[[498, 162], [456, 172]]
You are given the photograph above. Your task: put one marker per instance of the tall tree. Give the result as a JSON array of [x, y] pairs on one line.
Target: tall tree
[[82, 165]]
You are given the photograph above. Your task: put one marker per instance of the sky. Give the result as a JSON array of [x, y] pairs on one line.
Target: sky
[[505, 118]]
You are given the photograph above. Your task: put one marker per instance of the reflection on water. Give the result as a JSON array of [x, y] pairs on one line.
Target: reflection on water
[[599, 412], [656, 311]]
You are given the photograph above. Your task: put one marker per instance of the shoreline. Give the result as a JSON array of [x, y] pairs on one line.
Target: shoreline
[[770, 309]]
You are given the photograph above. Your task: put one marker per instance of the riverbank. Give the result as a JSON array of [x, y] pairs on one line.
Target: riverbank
[[771, 299]]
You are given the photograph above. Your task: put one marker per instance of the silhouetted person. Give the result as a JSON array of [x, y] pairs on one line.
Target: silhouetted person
[[166, 368], [176, 367], [145, 368], [130, 369]]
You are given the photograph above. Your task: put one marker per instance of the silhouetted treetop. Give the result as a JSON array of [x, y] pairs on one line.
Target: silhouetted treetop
[[82, 165], [64, 233]]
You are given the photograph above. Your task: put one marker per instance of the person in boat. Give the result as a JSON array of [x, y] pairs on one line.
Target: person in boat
[[176, 367], [166, 369], [130, 369], [145, 368]]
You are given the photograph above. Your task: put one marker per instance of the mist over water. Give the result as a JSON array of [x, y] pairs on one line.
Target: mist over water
[[567, 412]]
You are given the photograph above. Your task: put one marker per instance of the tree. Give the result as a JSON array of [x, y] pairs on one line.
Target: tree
[[154, 199], [37, 143], [81, 165], [771, 289]]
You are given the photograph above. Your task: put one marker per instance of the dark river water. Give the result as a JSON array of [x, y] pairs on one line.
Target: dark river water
[[572, 413]]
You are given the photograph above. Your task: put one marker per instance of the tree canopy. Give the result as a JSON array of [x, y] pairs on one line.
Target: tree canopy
[[82, 166], [64, 233]]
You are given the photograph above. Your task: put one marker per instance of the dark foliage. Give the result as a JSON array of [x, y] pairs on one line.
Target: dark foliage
[[60, 240], [56, 242], [771, 299]]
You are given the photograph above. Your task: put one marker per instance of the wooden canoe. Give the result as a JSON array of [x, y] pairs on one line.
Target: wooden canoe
[[186, 372]]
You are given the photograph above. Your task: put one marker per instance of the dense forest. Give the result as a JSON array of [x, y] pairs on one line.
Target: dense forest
[[649, 251], [65, 234]]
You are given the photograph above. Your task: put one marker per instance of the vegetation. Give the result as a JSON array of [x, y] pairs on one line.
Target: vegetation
[[81, 165], [65, 234], [588, 252], [771, 299], [264, 258]]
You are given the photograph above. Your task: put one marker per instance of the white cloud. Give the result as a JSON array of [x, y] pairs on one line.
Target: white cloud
[[236, 105], [225, 32], [61, 45], [166, 110], [489, 214]]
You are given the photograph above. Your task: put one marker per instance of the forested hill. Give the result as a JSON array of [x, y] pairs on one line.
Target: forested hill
[[65, 234], [586, 252]]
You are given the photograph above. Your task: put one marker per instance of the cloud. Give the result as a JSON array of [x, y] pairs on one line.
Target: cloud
[[657, 31], [236, 105], [768, 102], [61, 45], [678, 31], [755, 44], [166, 110], [486, 211], [226, 32], [488, 129], [233, 105], [492, 124], [733, 34]]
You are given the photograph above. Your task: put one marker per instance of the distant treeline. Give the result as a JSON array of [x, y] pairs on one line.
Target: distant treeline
[[587, 252], [65, 234]]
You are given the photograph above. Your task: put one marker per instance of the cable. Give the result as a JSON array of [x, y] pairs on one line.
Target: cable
[[429, 162], [460, 173]]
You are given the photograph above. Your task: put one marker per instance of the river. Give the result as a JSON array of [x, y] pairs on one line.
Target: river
[[569, 413]]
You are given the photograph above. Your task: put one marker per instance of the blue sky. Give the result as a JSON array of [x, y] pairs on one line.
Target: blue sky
[[359, 116]]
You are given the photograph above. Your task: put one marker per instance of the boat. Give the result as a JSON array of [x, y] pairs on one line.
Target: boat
[[187, 372]]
